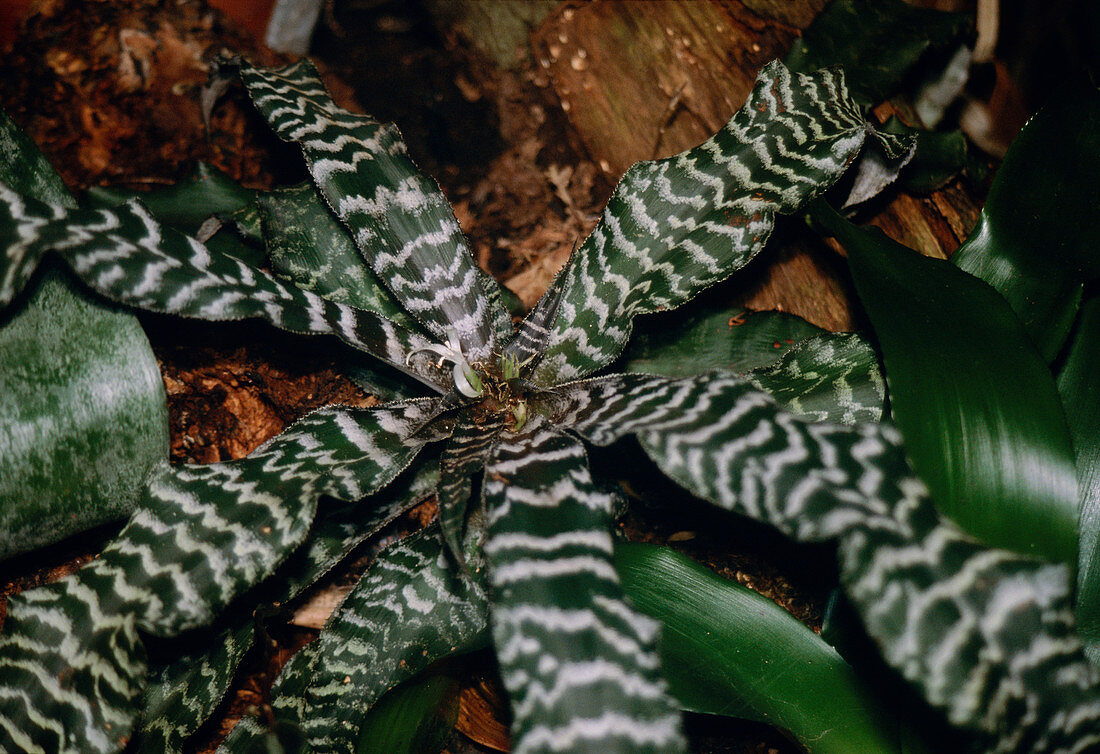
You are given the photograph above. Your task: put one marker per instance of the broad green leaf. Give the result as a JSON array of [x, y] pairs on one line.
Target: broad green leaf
[[1037, 236], [83, 417], [201, 536], [981, 633], [185, 205], [726, 650], [410, 609], [695, 339], [580, 665], [125, 255], [825, 376], [398, 217], [876, 42], [977, 406], [1077, 384], [184, 692], [309, 246], [676, 226], [417, 717]]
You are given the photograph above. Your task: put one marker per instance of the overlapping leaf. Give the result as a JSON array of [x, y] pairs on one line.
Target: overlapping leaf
[[71, 665], [676, 226], [183, 693], [579, 664], [411, 608], [125, 255], [398, 217], [727, 650], [82, 410], [985, 635], [977, 406], [463, 457]]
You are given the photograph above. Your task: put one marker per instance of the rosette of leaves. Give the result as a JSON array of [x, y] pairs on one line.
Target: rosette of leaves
[[985, 635]]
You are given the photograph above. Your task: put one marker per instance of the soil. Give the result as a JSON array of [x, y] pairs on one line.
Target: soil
[[109, 90]]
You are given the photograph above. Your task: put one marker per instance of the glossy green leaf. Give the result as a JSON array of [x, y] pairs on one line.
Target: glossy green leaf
[[410, 609], [398, 217], [417, 717], [676, 226], [1037, 236], [1077, 384], [83, 417], [184, 692], [979, 410], [877, 42], [727, 650], [185, 205], [981, 633]]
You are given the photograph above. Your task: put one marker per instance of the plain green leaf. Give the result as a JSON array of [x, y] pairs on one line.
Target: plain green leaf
[[877, 42], [727, 650], [1038, 235], [417, 717], [978, 408], [939, 156], [1078, 384]]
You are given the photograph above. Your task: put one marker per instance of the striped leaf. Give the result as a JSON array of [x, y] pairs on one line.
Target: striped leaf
[[462, 458], [985, 635], [71, 665], [579, 664], [533, 334], [410, 609], [183, 693], [676, 226], [399, 218], [125, 255]]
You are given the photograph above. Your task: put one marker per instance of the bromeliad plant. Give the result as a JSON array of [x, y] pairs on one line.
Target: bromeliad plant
[[986, 636]]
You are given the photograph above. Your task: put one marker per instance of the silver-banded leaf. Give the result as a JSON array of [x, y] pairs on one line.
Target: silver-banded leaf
[[71, 667], [533, 333], [727, 650], [462, 458], [125, 255], [183, 693], [676, 226], [1077, 387], [985, 635], [579, 664], [399, 218], [411, 608]]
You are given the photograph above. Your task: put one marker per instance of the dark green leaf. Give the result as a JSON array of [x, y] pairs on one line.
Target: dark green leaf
[[398, 217], [977, 406], [1077, 384], [676, 226], [939, 156], [185, 205], [876, 42], [417, 717], [82, 410], [463, 457], [726, 650], [1038, 233], [982, 633], [580, 666]]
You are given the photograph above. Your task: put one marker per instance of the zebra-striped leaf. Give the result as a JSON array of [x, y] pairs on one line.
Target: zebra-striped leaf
[[579, 664], [125, 255], [983, 634], [183, 693], [71, 664], [399, 218], [462, 458], [676, 226], [411, 608]]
